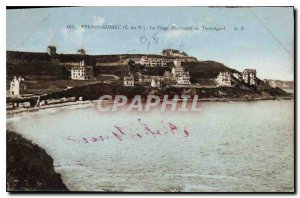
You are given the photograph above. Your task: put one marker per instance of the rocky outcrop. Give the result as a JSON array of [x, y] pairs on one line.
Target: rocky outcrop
[[29, 167]]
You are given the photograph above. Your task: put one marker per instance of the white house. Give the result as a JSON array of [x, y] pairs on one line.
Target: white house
[[82, 72], [14, 89], [224, 79], [155, 82], [182, 77], [249, 76], [128, 81], [152, 62], [177, 70]]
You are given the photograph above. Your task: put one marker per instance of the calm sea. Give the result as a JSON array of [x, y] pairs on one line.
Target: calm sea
[[228, 146]]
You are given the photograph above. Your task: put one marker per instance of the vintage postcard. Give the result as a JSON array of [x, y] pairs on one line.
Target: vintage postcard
[[150, 99]]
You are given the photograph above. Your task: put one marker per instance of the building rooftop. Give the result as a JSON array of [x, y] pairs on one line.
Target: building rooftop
[[250, 70], [128, 78]]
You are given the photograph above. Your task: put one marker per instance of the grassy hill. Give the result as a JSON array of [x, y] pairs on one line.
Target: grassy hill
[[205, 71], [28, 63], [44, 73]]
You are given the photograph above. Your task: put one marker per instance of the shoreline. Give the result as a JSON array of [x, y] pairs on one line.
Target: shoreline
[[64, 104], [32, 109]]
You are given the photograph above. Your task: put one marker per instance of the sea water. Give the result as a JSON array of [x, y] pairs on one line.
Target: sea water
[[227, 146]]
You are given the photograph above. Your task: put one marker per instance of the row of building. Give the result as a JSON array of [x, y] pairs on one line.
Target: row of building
[[182, 77], [177, 75], [85, 72], [169, 56], [248, 76], [150, 61], [147, 61]]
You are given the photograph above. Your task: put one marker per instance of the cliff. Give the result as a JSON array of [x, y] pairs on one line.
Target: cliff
[[28, 167], [281, 84]]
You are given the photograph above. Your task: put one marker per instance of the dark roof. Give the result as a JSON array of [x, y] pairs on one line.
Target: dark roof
[[77, 67], [128, 78], [250, 70]]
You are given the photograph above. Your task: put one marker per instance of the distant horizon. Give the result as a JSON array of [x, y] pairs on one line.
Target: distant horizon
[[266, 42]]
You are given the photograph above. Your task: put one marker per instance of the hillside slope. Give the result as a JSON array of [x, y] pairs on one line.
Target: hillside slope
[[44, 73]]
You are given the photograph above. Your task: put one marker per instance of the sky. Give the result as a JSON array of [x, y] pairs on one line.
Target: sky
[[254, 37]]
